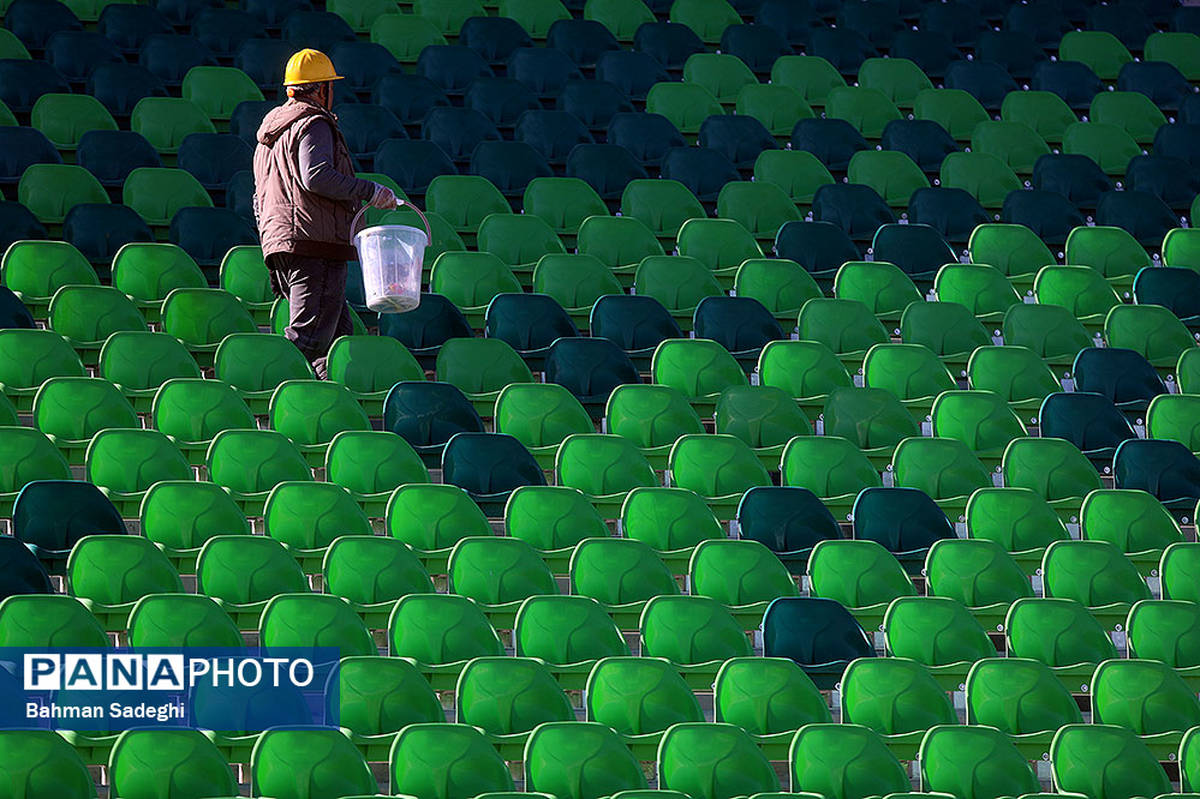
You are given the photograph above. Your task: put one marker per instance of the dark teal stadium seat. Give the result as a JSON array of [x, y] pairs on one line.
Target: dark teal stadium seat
[[583, 40], [669, 43], [818, 634], [607, 168], [502, 100], [986, 81], [904, 520], [789, 521], [554, 134], [76, 53], [423, 330], [208, 233], [98, 230], [648, 137], [169, 56], [528, 322], [120, 86], [318, 29], [214, 158], [703, 170], [820, 247], [953, 213], [35, 21], [636, 324], [509, 165], [489, 467], [631, 71], [739, 138], [832, 141], [20, 147], [50, 516], [362, 64], [20, 570], [110, 155], [1089, 421], [1073, 81], [427, 415], [590, 368], [130, 25], [1124, 377], [594, 102], [854, 207], [543, 69], [494, 38], [263, 60], [412, 164], [452, 67], [408, 96], [1163, 468]]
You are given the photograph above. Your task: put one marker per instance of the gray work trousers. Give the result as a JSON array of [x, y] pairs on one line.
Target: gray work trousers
[[316, 293]]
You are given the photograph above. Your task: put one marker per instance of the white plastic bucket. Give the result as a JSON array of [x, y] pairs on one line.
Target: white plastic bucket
[[391, 257]]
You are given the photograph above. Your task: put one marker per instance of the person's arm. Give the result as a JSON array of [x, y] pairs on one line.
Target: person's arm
[[317, 172]]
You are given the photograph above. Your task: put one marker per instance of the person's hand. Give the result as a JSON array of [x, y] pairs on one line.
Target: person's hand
[[383, 198]]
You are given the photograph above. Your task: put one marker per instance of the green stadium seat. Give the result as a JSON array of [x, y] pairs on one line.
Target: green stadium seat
[[622, 17], [243, 572], [372, 572], [1093, 573], [378, 697], [70, 410], [679, 282], [619, 242], [34, 270], [873, 418], [1099, 50], [759, 207], [934, 631], [620, 573], [879, 285], [798, 172], [1151, 330], [844, 760], [248, 464], [518, 240], [39, 621], [87, 315], [663, 205], [1051, 331], [405, 36], [973, 760], [1053, 468], [819, 634], [738, 573], [41, 761], [540, 416], [957, 111], [569, 632], [891, 173], [832, 467], [481, 368], [1015, 143], [767, 696], [1175, 48], [156, 194], [1082, 290], [179, 516], [868, 110], [806, 370], [1018, 696], [653, 417], [947, 328], [470, 280], [691, 630], [720, 244], [464, 200], [52, 513], [112, 572], [174, 620], [306, 517], [668, 519], [982, 175], [1171, 416], [218, 90], [256, 364], [719, 467], [579, 759], [202, 317], [1109, 145], [51, 190], [440, 633], [371, 464], [776, 106], [898, 78], [710, 760], [765, 417], [685, 105], [723, 75], [454, 516], [980, 419], [639, 697], [699, 368], [848, 327], [368, 366], [1132, 111], [946, 469], [448, 16], [64, 118], [124, 463], [1016, 518], [243, 273], [496, 570], [308, 763], [1082, 757], [575, 282], [1013, 249], [563, 203], [1111, 251], [166, 121], [781, 285], [975, 572], [507, 697], [911, 372], [551, 518], [858, 574], [896, 697], [27, 455], [312, 412], [1129, 519], [1145, 696], [812, 76], [445, 761], [148, 272], [1164, 630], [1016, 374], [314, 620], [983, 289]]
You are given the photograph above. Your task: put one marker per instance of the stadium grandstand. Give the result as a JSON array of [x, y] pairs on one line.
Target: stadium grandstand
[[803, 398]]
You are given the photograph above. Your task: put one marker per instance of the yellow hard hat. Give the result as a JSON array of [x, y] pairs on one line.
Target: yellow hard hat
[[309, 66]]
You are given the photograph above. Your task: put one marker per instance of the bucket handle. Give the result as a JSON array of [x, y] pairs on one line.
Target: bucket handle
[[399, 202]]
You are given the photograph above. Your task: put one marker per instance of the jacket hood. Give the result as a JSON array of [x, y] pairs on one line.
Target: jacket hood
[[280, 119]]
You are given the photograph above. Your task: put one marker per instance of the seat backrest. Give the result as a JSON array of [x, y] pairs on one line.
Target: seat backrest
[[1082, 756], [506, 695], [973, 762], [289, 761], [668, 518], [893, 695], [635, 696], [844, 760], [691, 629], [617, 571], [1145, 696], [1057, 632], [556, 754], [766, 695], [718, 757], [1091, 572], [856, 573], [1017, 696], [934, 631], [566, 629]]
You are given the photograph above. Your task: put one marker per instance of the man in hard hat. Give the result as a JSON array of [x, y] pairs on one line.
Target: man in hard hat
[[305, 197]]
